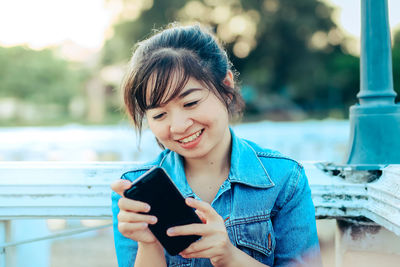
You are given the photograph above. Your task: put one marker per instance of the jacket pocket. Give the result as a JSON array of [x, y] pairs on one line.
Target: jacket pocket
[[177, 261], [255, 236]]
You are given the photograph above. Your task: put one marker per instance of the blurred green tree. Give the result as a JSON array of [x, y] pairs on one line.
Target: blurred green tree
[[290, 54], [36, 76], [39, 78], [133, 27]]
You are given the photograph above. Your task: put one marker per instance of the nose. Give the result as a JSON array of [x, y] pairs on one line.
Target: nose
[[180, 122]]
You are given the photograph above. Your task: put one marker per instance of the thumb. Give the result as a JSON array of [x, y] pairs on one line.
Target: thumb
[[120, 185], [201, 215]]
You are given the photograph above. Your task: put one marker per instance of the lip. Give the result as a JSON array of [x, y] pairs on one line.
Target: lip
[[180, 139], [191, 144]]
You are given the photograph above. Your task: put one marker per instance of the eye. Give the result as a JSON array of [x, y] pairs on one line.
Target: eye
[[159, 116], [191, 104]]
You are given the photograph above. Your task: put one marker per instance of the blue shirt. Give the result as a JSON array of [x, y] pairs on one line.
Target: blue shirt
[[266, 202]]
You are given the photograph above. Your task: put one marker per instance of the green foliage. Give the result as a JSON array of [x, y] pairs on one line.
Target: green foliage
[[128, 32], [294, 49], [318, 77], [38, 76]]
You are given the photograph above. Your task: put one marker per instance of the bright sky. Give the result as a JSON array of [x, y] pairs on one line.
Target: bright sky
[[41, 23], [348, 15]]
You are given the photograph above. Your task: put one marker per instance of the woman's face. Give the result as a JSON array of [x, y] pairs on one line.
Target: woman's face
[[195, 124]]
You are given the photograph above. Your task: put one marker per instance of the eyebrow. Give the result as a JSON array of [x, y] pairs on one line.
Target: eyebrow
[[189, 91], [182, 95]]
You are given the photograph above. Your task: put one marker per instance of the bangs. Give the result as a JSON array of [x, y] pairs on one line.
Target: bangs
[[164, 85], [165, 75]]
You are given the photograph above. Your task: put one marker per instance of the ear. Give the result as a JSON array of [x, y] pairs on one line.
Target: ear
[[229, 79]]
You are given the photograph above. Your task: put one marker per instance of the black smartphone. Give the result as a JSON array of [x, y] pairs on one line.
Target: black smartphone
[[157, 189]]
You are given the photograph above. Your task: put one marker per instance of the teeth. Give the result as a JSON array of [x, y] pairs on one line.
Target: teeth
[[191, 138]]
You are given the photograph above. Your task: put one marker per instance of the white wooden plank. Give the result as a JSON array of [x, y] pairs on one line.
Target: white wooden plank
[[82, 190]]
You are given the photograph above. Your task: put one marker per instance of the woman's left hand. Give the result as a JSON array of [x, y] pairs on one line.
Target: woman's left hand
[[214, 244]]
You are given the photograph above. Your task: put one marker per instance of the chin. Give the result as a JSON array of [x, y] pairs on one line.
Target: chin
[[191, 154]]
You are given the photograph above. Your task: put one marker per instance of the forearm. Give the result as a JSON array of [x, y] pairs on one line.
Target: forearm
[[236, 258], [240, 258], [150, 254]]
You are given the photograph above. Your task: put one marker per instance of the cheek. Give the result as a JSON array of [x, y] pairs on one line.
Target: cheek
[[159, 130], [218, 113]]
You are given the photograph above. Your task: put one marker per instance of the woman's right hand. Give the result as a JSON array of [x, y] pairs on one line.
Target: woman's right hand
[[131, 222]]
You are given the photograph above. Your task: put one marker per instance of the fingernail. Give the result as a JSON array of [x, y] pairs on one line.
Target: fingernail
[[126, 183], [170, 231], [153, 219], [190, 200], [147, 207]]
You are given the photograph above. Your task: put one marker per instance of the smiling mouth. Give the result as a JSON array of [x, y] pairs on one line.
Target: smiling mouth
[[191, 137]]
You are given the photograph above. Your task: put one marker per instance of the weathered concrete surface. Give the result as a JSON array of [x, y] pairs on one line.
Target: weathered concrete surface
[[378, 200], [367, 213], [367, 246]]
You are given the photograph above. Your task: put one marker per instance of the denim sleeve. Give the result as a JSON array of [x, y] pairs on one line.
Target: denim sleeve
[[295, 225], [125, 248]]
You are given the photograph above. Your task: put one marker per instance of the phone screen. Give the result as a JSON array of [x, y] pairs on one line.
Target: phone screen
[[156, 188]]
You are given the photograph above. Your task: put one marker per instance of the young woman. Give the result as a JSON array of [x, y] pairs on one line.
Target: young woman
[[255, 203]]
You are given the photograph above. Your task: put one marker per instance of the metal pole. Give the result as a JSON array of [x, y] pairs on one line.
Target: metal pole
[[376, 59], [2, 239], [375, 121], [374, 131]]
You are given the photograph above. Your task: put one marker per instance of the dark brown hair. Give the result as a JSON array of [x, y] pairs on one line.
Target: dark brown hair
[[169, 59]]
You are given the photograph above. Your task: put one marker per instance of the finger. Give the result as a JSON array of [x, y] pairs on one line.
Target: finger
[[198, 246], [133, 205], [207, 253], [201, 216], [136, 231], [120, 185], [204, 207], [133, 217], [129, 228], [189, 229]]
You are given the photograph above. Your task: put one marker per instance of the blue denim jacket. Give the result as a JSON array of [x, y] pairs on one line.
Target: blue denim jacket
[[266, 202]]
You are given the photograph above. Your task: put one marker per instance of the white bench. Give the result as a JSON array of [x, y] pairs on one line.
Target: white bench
[[33, 190]]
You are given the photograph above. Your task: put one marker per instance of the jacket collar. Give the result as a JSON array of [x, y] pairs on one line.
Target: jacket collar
[[173, 164], [246, 167]]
